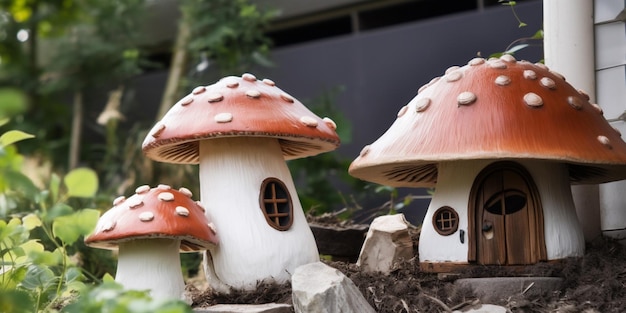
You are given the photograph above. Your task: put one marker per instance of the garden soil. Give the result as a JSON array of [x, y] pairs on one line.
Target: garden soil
[[593, 283]]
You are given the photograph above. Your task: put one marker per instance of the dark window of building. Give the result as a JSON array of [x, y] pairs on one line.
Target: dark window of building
[[276, 203]]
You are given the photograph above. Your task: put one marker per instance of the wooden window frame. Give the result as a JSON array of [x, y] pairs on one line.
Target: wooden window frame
[[439, 221], [276, 208]]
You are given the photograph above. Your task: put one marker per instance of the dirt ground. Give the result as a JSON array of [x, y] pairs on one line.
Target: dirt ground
[[593, 283]]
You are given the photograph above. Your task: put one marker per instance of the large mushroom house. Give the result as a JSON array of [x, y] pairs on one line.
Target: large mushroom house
[[501, 141], [149, 229], [241, 131]]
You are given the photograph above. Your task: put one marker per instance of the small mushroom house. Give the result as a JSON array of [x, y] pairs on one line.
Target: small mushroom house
[[501, 141], [241, 131], [149, 229]]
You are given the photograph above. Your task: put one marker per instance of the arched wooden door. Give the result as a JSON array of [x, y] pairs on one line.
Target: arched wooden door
[[506, 217]]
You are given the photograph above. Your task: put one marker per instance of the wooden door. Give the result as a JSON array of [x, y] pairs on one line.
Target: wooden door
[[507, 217]]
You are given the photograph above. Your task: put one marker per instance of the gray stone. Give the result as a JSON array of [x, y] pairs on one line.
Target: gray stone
[[483, 308], [246, 308], [317, 287], [492, 289], [387, 244]]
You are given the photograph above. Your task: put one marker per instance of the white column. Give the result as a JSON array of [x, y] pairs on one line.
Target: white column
[[569, 50]]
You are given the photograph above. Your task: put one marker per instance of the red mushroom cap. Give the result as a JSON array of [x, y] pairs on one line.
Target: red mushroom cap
[[495, 109], [239, 106], [160, 212]]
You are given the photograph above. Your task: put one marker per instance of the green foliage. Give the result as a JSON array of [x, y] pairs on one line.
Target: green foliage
[[72, 46], [39, 237], [228, 32], [110, 297], [318, 176]]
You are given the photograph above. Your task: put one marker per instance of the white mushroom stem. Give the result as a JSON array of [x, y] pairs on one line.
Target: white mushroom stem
[[232, 171], [151, 264]]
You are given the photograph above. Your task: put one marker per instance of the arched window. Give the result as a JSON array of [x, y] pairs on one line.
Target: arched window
[[276, 204]]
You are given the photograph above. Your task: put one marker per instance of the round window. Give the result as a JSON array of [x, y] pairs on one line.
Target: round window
[[446, 220]]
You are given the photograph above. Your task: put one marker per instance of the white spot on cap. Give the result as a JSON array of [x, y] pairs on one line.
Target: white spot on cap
[[164, 187], [269, 82], [605, 141], [330, 123], [249, 77], [476, 61], [199, 204], [364, 151], [215, 97], [186, 192], [466, 97], [157, 130], [198, 90], [146, 216], [253, 93], [451, 69], [135, 202], [530, 74], [454, 76], [182, 211], [287, 97], [232, 84], [557, 74], [224, 117], [212, 228], [109, 226], [308, 121], [508, 58], [496, 63], [533, 100], [119, 200], [597, 108], [166, 196], [402, 111], [584, 94], [142, 189], [503, 80], [541, 65], [548, 83], [575, 102], [186, 101], [422, 104]]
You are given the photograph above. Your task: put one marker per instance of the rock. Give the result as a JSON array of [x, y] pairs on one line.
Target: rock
[[387, 243], [317, 287], [483, 308], [492, 289], [343, 243], [246, 308]]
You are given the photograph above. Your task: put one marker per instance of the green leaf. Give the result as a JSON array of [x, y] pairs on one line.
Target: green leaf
[[16, 301], [58, 210], [38, 278], [81, 183], [31, 221], [538, 34], [55, 182], [515, 48], [69, 228], [108, 278], [4, 121], [13, 101], [13, 136]]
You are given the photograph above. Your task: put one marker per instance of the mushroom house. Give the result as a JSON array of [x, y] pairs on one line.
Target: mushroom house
[[501, 141], [149, 229], [241, 131]]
